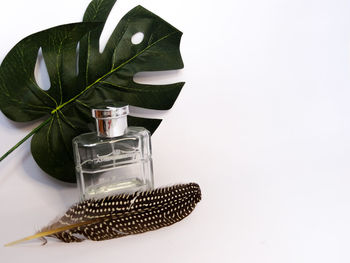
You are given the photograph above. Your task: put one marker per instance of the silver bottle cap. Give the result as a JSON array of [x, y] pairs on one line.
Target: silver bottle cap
[[111, 121]]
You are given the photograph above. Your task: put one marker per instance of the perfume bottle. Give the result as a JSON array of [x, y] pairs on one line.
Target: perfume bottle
[[115, 159]]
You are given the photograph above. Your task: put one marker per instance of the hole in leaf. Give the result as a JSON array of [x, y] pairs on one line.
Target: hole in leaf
[[77, 60], [114, 16], [40, 72], [147, 113], [158, 77], [137, 38]]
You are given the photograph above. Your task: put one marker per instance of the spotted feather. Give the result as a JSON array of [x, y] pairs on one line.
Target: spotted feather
[[122, 215]]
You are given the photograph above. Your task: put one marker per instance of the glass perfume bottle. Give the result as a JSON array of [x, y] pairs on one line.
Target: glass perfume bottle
[[116, 158]]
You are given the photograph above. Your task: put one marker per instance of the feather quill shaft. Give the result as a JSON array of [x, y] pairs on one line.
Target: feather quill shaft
[[50, 232], [122, 215]]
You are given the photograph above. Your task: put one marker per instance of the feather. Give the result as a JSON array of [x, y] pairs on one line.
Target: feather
[[122, 215]]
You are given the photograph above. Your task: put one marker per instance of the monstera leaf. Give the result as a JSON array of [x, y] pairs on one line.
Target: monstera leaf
[[81, 77]]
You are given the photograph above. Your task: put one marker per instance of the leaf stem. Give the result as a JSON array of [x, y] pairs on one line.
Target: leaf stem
[[25, 138]]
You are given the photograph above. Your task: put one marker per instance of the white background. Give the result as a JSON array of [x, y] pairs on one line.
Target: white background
[[262, 125]]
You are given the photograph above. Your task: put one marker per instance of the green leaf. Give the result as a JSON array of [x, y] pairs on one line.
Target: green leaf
[[75, 89]]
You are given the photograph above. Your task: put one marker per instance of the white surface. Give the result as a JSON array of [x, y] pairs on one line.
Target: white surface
[[262, 125]]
